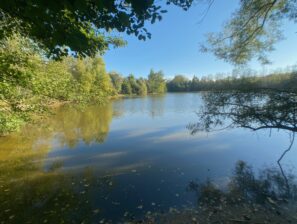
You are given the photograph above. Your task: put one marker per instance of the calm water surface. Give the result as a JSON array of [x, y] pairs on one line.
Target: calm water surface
[[122, 161]]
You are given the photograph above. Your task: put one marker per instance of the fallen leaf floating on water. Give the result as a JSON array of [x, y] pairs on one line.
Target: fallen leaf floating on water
[[96, 211], [271, 201], [11, 217]]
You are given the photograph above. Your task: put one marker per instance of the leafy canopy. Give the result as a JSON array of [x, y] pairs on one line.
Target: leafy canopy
[[83, 27]]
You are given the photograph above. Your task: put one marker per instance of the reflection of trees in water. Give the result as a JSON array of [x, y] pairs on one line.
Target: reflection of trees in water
[[22, 155], [266, 109], [268, 187], [67, 124], [156, 105], [249, 197], [29, 194], [88, 124], [153, 105]]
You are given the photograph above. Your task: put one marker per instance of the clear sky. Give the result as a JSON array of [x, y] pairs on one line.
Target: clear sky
[[174, 47]]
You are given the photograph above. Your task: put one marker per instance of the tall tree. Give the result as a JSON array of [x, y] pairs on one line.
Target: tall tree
[[103, 84], [134, 85], [142, 91], [126, 87], [156, 82], [195, 84], [117, 81]]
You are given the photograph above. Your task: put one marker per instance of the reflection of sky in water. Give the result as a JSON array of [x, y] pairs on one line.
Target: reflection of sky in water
[[152, 155]]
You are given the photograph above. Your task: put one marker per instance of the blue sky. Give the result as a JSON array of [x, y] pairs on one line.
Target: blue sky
[[174, 47]]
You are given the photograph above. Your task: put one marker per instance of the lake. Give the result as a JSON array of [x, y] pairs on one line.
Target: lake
[[126, 160]]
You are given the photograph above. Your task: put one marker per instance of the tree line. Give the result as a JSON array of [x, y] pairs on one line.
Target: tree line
[[277, 80]]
